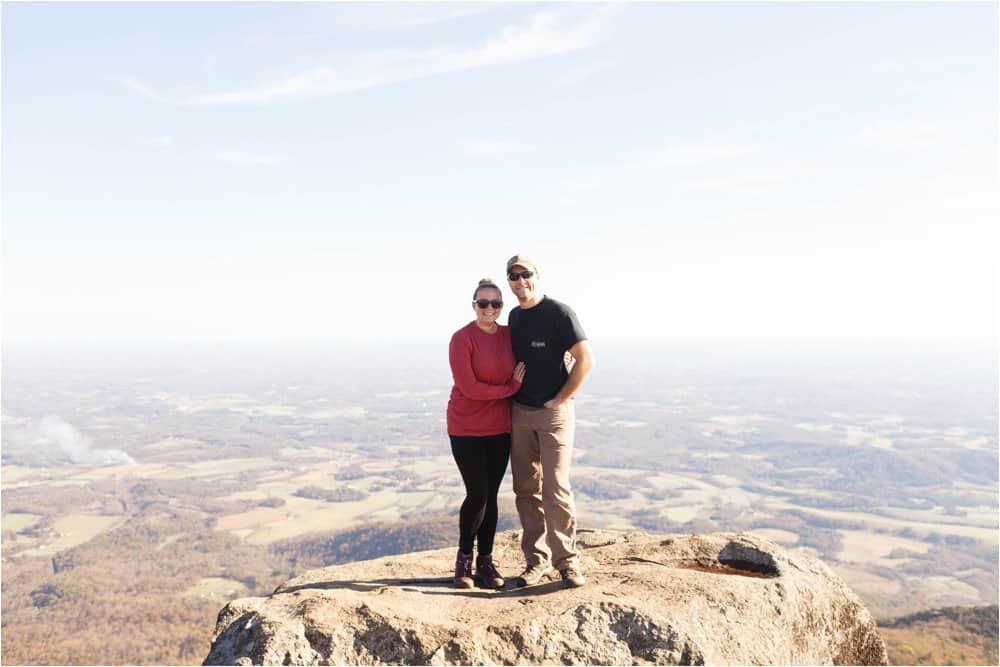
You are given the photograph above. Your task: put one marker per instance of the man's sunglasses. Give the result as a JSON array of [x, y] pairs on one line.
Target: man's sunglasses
[[482, 303], [514, 275]]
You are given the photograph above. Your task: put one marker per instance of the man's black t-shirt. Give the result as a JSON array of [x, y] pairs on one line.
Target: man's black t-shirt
[[540, 337]]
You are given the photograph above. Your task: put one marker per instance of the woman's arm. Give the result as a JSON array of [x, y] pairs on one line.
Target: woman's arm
[[460, 356]]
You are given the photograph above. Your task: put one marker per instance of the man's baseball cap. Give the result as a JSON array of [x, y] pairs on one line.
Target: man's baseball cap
[[521, 260]]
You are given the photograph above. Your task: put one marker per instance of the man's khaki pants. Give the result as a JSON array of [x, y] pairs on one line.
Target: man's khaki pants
[[541, 446]]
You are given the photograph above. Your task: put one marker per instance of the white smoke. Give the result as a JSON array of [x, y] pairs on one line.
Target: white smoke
[[52, 440]]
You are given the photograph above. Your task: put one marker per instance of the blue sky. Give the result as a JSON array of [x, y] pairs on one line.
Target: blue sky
[[193, 171]]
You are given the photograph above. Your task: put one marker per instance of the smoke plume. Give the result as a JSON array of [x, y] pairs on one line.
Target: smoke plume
[[52, 441]]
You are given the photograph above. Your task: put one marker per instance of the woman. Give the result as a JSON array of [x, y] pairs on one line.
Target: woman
[[485, 374]]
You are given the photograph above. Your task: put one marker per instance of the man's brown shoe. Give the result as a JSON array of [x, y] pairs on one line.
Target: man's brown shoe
[[532, 575], [572, 577]]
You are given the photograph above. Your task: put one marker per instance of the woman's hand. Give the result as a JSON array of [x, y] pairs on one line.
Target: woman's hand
[[518, 375]]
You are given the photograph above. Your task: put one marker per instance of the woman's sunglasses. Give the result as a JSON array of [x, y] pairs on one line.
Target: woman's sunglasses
[[483, 303], [514, 275]]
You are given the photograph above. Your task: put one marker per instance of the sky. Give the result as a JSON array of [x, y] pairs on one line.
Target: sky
[[181, 172]]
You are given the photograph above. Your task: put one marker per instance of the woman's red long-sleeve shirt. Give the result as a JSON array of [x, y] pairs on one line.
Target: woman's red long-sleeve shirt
[[481, 365]]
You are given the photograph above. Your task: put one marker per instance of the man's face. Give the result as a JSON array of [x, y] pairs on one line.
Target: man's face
[[523, 286]]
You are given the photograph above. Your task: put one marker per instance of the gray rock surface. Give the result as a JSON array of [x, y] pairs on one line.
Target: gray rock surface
[[722, 598]]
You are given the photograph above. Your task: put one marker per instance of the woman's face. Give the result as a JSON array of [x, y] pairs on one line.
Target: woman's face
[[490, 297]]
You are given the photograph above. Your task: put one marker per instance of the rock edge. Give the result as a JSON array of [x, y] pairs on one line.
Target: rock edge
[[720, 598]]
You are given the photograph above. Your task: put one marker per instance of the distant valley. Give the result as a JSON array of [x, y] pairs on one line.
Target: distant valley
[[160, 486]]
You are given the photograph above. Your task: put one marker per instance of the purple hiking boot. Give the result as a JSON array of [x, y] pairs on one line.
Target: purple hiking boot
[[463, 570], [486, 572]]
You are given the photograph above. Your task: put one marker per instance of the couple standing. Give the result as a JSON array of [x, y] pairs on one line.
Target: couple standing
[[527, 361]]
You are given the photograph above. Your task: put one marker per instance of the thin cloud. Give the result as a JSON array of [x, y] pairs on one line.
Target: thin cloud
[[388, 17], [581, 74], [911, 134], [239, 157], [714, 165], [700, 153], [260, 39], [545, 34], [706, 153], [378, 17], [139, 87], [489, 148], [656, 159], [764, 172], [424, 15], [164, 141], [747, 185]]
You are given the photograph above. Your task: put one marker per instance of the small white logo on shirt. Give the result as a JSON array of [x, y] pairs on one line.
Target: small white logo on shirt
[[538, 343]]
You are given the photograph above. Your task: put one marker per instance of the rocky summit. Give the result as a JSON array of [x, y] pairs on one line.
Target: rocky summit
[[721, 598]]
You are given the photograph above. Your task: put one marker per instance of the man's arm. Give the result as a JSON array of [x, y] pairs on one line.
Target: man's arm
[[584, 357]]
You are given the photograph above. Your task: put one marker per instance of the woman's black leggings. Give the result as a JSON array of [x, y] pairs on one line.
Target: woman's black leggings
[[482, 460]]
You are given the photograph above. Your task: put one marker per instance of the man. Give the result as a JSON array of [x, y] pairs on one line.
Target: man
[[542, 331]]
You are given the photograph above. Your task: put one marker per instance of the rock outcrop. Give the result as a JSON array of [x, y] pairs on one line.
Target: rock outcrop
[[664, 599]]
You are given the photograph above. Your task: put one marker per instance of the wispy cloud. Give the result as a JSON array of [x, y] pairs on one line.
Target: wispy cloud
[[240, 157], [395, 16], [746, 185], [712, 165], [582, 73], [910, 134], [271, 39], [662, 158], [385, 17], [139, 87], [700, 153], [163, 141], [489, 148], [544, 34]]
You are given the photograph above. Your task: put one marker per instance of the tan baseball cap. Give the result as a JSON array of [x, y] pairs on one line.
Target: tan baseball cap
[[521, 260]]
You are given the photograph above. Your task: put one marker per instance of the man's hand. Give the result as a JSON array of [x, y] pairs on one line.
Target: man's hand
[[553, 403], [584, 357]]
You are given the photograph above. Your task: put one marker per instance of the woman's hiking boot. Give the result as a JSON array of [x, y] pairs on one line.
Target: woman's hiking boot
[[486, 572], [463, 570]]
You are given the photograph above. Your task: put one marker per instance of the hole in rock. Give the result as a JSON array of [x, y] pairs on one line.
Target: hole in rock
[[746, 557]]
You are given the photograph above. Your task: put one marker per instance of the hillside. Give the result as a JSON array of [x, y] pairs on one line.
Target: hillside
[[170, 572], [245, 474], [949, 636]]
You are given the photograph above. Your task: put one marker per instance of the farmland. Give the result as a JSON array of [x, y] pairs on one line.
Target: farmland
[[198, 487]]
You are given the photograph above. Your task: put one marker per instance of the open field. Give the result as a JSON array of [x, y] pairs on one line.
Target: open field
[[783, 537], [216, 589], [308, 516], [174, 444], [436, 487], [942, 591], [864, 582], [979, 517], [261, 516], [928, 525], [868, 547], [68, 532], [19, 521]]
